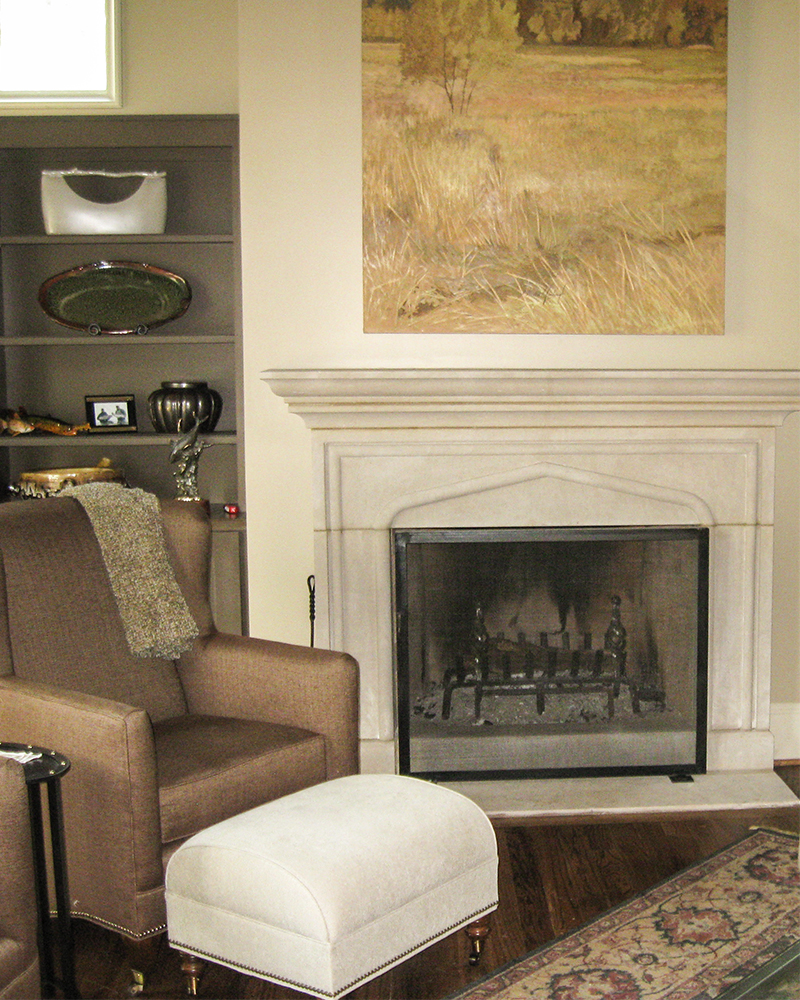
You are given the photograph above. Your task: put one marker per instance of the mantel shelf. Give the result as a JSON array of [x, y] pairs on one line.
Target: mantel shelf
[[516, 397]]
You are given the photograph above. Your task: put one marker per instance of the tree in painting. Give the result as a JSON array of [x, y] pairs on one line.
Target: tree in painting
[[544, 166], [453, 41]]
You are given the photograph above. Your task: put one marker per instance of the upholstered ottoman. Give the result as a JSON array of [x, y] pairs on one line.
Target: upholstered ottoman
[[329, 887]]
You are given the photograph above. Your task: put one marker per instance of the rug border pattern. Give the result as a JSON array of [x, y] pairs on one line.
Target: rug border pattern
[[696, 988]]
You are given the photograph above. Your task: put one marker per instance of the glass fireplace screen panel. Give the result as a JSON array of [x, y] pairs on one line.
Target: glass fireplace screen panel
[[545, 652]]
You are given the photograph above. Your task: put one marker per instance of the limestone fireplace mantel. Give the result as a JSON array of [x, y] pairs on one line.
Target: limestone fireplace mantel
[[344, 397], [475, 447]]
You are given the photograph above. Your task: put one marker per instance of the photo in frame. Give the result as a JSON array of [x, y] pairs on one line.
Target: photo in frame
[[544, 166], [111, 414]]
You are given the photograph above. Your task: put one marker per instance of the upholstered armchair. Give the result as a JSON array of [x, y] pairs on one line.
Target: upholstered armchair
[[19, 960], [161, 747]]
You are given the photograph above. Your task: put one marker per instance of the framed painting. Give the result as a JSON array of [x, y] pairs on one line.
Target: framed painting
[[544, 166]]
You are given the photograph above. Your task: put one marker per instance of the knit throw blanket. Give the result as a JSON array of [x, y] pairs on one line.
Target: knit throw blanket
[[128, 528]]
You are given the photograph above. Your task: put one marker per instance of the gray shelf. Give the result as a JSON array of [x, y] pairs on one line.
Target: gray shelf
[[86, 340], [138, 439], [119, 240]]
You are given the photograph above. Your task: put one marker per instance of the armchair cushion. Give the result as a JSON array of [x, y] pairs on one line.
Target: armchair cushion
[[210, 768], [250, 678]]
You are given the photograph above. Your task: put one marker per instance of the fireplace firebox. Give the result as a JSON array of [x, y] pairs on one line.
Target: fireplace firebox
[[543, 652]]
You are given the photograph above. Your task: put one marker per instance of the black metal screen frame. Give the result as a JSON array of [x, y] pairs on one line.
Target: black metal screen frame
[[403, 538]]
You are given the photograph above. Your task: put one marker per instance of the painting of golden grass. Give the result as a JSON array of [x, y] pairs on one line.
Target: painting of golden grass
[[581, 191]]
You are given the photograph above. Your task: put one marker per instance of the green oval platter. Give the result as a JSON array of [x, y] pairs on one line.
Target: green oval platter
[[115, 297]]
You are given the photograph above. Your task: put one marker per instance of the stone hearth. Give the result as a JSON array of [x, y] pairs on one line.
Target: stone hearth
[[491, 448]]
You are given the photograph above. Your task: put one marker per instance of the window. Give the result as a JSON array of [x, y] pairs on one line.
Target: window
[[59, 52]]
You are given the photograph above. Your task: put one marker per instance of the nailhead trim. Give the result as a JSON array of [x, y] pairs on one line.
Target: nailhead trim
[[356, 982], [115, 927]]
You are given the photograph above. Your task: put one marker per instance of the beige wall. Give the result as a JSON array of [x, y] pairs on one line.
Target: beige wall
[[180, 57], [299, 97]]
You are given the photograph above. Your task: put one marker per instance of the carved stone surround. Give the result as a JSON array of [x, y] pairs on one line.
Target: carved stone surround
[[476, 448]]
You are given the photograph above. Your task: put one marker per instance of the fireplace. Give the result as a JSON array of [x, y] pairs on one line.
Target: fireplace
[[551, 652], [396, 450]]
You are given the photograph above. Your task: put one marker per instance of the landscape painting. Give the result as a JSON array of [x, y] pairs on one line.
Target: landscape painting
[[544, 166]]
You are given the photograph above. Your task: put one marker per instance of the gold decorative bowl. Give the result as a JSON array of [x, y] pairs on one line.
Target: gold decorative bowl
[[49, 482]]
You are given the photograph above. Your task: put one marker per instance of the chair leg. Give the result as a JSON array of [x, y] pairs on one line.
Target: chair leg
[[477, 933], [142, 958], [192, 968]]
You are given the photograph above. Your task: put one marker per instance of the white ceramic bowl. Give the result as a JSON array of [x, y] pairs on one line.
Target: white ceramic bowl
[[140, 208]]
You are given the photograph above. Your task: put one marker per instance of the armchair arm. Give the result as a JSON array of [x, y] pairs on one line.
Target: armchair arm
[[110, 794], [248, 678]]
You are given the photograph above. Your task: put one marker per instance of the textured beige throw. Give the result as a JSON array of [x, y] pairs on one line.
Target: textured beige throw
[[127, 525]]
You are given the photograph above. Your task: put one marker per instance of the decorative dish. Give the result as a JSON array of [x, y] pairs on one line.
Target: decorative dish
[[115, 297], [49, 482]]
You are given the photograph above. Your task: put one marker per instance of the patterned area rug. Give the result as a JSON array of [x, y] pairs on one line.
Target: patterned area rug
[[697, 936]]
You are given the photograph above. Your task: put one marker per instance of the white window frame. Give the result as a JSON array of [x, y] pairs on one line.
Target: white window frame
[[110, 97]]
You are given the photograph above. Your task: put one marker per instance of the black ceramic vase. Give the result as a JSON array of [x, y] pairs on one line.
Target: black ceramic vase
[[176, 406]]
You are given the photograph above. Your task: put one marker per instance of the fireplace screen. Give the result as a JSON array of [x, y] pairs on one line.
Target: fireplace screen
[[545, 652]]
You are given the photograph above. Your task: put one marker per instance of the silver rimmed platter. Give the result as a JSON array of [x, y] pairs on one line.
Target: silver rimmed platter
[[115, 297]]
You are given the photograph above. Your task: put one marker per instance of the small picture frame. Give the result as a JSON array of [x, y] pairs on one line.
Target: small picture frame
[[111, 414]]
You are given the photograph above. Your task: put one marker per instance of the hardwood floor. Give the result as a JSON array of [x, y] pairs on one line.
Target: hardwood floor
[[553, 878]]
